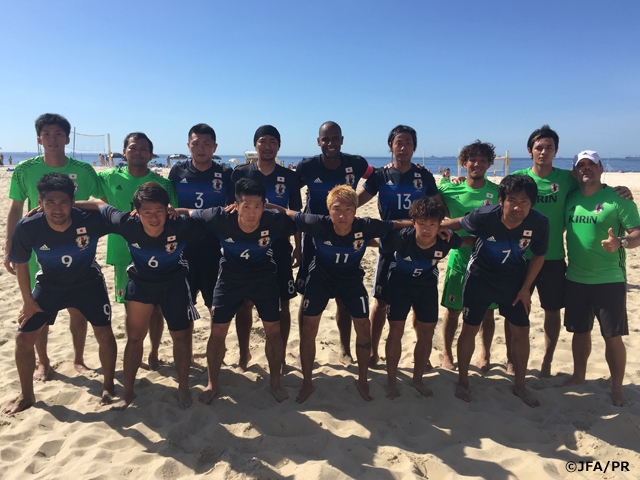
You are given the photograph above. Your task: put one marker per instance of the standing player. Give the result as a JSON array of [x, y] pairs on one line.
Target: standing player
[[118, 187], [497, 273], [247, 270], [53, 134], [64, 240], [320, 174], [282, 188], [202, 183], [157, 279], [597, 220], [461, 199], [397, 188]]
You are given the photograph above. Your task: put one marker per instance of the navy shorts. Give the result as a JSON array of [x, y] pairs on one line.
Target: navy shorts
[[282, 256], [174, 298], [550, 283], [380, 282], [91, 298], [231, 292], [478, 295], [204, 263], [402, 294], [318, 292], [605, 301]]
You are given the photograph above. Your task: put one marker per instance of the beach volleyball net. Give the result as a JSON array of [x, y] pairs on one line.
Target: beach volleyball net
[[89, 147]]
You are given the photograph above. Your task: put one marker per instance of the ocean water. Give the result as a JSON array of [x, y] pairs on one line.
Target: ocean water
[[432, 163]]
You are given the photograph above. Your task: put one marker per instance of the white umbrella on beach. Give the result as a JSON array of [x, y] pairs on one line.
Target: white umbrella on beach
[[233, 160]]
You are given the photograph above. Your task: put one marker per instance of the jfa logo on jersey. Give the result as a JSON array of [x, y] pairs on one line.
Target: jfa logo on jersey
[[555, 187], [358, 244], [264, 241], [82, 241], [486, 202], [217, 184], [524, 243], [599, 208], [417, 183], [171, 247], [280, 189], [350, 179]]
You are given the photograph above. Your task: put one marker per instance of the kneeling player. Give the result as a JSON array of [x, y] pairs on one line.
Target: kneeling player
[[413, 281], [64, 240]]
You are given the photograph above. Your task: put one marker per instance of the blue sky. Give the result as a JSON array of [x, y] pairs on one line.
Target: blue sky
[[454, 70]]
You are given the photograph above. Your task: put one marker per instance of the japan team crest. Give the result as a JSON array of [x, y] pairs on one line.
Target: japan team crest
[[524, 243], [486, 202], [417, 183], [217, 184], [280, 189], [264, 241], [598, 208], [555, 187], [452, 298], [358, 244], [82, 241], [171, 247], [350, 179]]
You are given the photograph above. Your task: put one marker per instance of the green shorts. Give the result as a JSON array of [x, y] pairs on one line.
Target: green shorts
[[121, 280], [452, 291]]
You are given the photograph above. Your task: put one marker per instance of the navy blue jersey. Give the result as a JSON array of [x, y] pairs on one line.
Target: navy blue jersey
[[154, 259], [337, 258], [412, 263], [66, 258], [198, 189], [397, 191], [246, 255], [282, 185], [498, 253], [320, 180]]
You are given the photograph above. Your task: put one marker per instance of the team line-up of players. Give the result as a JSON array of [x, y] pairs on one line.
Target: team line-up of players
[[241, 256]]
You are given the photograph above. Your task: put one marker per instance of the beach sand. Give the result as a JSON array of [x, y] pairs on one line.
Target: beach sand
[[245, 433]]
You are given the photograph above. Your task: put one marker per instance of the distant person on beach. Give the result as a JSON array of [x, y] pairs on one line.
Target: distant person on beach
[[473, 192], [64, 240], [498, 273], [597, 220], [117, 188], [446, 176], [282, 188], [397, 188], [101, 160], [156, 280], [247, 270], [53, 134], [1, 159], [320, 174], [413, 283]]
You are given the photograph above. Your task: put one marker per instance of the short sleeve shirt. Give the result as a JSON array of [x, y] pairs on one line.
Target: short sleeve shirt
[[198, 189], [282, 185], [588, 221]]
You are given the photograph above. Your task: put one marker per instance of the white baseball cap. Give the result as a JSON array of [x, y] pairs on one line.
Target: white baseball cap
[[588, 154]]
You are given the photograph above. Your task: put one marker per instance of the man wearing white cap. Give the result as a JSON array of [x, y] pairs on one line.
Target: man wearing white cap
[[597, 220]]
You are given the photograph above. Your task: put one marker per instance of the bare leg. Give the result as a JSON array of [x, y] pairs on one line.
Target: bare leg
[[509, 342], [244, 321], [424, 332], [393, 351], [520, 348], [215, 355], [78, 327], [343, 319], [26, 364], [43, 367], [466, 346], [138, 315], [581, 348], [414, 322], [487, 329], [616, 355], [449, 327], [308, 355], [363, 352], [156, 326], [285, 328], [274, 351], [107, 350], [182, 358], [378, 315], [552, 323]]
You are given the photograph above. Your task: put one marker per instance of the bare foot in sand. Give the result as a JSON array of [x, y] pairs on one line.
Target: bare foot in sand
[[243, 364], [364, 390], [545, 370], [42, 373], [463, 393], [447, 363], [19, 404], [345, 358], [526, 396], [280, 394], [207, 395], [573, 380], [484, 365], [123, 403], [419, 386], [304, 393], [184, 399], [107, 398], [510, 369], [619, 400], [81, 368], [154, 363], [392, 390]]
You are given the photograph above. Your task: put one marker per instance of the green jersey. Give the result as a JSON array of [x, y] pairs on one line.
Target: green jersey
[[27, 173], [118, 186], [588, 221], [553, 191], [461, 200]]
